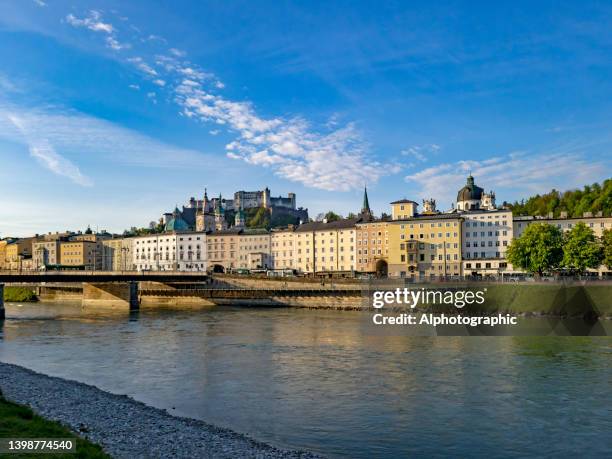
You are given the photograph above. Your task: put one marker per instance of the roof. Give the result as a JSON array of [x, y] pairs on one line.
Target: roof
[[405, 201], [321, 226], [470, 192]]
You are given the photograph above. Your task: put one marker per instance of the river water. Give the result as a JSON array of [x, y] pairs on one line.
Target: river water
[[316, 380]]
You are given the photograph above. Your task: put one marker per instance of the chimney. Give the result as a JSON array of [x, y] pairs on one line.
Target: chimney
[[563, 214]]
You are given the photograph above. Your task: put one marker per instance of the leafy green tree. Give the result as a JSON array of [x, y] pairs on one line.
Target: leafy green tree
[[581, 250], [607, 247], [538, 250], [331, 216], [259, 218], [592, 198]]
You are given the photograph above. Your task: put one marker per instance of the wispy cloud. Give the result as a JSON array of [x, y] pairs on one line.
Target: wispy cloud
[[40, 3], [92, 22], [531, 173], [46, 155], [79, 135], [421, 152], [331, 157]]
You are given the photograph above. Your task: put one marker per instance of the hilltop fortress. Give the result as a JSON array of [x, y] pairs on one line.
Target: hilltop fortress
[[211, 214]]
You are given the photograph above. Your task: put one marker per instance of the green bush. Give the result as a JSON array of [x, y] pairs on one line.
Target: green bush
[[19, 295]]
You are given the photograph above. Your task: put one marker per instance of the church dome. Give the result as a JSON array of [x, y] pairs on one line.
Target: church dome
[[470, 192], [176, 223]]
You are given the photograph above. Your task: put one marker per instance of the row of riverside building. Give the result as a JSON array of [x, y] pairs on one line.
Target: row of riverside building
[[471, 239]]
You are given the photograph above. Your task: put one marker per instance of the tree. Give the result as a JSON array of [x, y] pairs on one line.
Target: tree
[[538, 250], [581, 250], [607, 247], [331, 216]]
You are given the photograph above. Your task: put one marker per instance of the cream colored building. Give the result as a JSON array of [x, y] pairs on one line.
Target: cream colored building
[[372, 246], [118, 254], [46, 253], [283, 244], [326, 247], [223, 249], [254, 249]]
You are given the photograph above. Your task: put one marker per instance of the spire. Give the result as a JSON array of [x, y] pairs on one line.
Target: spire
[[365, 208]]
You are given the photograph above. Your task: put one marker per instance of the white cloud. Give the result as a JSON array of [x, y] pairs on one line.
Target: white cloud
[[142, 65], [45, 154], [40, 3], [421, 152], [79, 135], [177, 52], [91, 22], [332, 157], [214, 131], [113, 43], [530, 173], [136, 87]]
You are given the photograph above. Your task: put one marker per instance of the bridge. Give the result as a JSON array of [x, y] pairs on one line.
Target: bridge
[[119, 286], [35, 277]]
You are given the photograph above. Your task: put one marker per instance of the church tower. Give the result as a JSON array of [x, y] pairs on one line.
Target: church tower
[[239, 220], [366, 212], [220, 223]]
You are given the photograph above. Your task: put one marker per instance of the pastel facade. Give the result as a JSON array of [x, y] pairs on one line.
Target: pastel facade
[[81, 254], [118, 254], [284, 249], [372, 246], [425, 246], [254, 249], [327, 247]]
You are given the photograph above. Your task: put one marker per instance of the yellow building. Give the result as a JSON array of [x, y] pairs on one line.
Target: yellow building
[[17, 254], [424, 245], [3, 244], [372, 247], [81, 254], [322, 247]]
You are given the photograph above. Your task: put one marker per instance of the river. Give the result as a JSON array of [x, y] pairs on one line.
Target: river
[[316, 380]]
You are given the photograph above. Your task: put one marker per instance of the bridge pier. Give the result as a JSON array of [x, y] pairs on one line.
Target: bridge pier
[[134, 300], [2, 311]]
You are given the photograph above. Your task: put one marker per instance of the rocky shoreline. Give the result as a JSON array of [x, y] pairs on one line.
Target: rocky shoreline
[[124, 427]]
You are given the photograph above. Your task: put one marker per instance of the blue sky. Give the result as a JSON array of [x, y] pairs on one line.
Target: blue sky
[[112, 112]]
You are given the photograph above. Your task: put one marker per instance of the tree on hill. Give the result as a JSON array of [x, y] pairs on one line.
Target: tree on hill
[[593, 198], [607, 247], [581, 250], [538, 250], [258, 218]]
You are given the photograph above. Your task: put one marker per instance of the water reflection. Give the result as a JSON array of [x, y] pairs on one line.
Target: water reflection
[[316, 380]]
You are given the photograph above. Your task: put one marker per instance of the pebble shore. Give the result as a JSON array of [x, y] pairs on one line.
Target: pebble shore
[[124, 427]]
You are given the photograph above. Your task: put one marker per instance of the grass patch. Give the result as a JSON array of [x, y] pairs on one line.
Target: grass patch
[[19, 295], [17, 421]]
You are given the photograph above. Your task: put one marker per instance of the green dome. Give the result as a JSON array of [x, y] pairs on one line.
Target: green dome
[[176, 223]]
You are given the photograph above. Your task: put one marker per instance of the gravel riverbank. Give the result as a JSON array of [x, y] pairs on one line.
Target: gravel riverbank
[[124, 427]]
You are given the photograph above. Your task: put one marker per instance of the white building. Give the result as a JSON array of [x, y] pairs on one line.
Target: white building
[[176, 251], [486, 238]]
